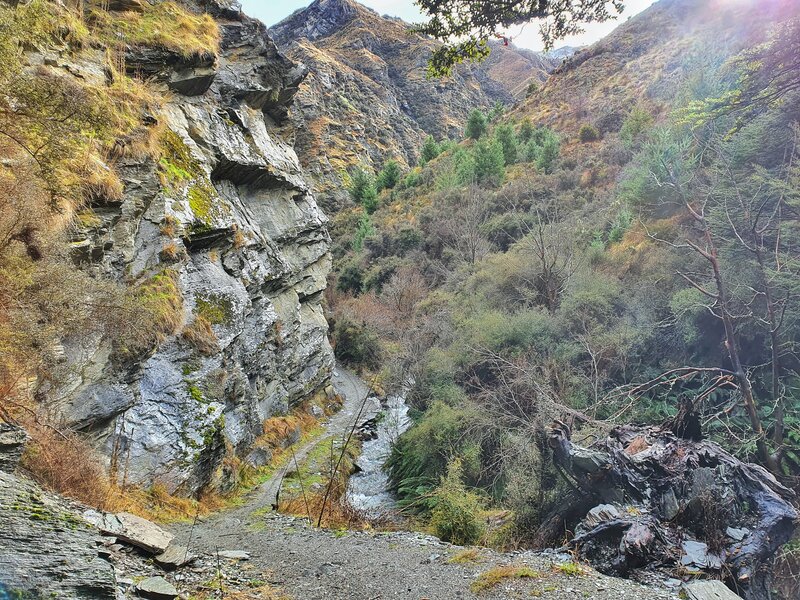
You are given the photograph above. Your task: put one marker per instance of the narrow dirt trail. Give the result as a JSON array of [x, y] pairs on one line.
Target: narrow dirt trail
[[354, 390]]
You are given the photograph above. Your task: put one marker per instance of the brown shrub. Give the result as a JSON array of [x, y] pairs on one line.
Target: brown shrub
[[171, 252], [68, 465]]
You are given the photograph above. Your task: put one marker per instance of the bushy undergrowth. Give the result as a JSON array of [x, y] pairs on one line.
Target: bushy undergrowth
[[456, 515], [548, 266]]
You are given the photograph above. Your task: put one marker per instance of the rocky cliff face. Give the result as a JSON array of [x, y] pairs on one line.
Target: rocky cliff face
[[367, 98], [225, 223]]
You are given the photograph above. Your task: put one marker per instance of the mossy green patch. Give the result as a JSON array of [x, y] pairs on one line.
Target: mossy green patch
[[177, 162], [216, 308]]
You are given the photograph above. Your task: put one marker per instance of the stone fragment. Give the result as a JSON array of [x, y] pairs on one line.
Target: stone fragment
[[601, 513], [136, 531], [156, 588], [174, 557], [709, 590], [234, 554], [698, 554], [737, 534]]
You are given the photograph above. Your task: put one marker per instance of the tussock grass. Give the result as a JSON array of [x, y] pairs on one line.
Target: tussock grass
[[571, 569], [201, 336], [467, 556], [164, 25], [67, 464], [495, 576]]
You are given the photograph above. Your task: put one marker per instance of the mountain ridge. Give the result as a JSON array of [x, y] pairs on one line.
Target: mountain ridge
[[367, 98]]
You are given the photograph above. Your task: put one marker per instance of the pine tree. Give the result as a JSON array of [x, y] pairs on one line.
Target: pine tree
[[489, 161], [430, 150], [389, 176], [508, 140], [476, 125]]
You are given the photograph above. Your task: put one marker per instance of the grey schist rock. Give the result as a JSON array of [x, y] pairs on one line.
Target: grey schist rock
[[709, 590], [46, 549], [234, 554], [174, 557], [156, 588], [136, 531], [12, 444], [257, 256]]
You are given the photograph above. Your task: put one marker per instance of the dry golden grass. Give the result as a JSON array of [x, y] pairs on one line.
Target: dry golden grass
[[67, 464], [495, 576], [164, 25], [200, 335], [278, 431], [170, 227], [466, 556], [171, 252], [338, 514]]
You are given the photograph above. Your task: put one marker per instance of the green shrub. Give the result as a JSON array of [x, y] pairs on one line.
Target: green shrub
[[363, 191], [476, 125], [588, 133], [526, 130], [621, 225], [350, 279], [543, 149], [411, 180], [456, 515], [419, 457], [496, 112], [364, 230], [636, 124], [356, 345]]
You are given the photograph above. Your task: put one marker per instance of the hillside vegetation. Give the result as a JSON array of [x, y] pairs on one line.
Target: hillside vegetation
[[621, 248]]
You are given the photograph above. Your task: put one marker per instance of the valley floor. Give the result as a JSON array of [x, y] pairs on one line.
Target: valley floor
[[309, 563]]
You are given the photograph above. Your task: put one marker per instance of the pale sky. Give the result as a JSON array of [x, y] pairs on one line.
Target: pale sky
[[273, 11]]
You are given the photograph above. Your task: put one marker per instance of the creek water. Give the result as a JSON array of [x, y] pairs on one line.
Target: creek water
[[368, 490]]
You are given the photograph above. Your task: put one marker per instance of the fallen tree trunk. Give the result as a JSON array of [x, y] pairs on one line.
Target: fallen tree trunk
[[683, 507]]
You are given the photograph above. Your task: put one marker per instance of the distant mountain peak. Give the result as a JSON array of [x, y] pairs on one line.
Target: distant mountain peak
[[318, 20]]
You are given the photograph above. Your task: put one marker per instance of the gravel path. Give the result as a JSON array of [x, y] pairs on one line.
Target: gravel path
[[310, 564]]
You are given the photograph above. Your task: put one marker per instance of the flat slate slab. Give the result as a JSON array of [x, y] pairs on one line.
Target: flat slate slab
[[156, 588], [710, 590], [234, 554], [136, 531], [174, 557]]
